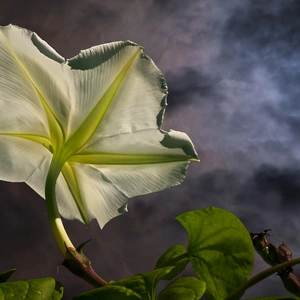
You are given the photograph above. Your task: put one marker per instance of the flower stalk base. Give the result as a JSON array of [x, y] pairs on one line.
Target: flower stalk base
[[80, 265]]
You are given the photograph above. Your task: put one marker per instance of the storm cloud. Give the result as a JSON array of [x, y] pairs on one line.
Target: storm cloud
[[232, 68]]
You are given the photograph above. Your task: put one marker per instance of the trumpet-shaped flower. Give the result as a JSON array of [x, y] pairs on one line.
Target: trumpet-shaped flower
[[85, 131]]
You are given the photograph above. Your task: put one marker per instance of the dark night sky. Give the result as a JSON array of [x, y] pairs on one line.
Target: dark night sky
[[232, 68]]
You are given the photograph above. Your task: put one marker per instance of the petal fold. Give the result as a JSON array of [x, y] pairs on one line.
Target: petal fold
[[22, 160], [138, 101], [33, 80], [101, 199], [126, 165]]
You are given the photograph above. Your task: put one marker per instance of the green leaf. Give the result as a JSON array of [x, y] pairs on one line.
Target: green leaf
[[58, 291], [175, 256], [274, 298], [110, 292], [6, 275], [220, 249], [186, 288], [34, 289], [142, 286]]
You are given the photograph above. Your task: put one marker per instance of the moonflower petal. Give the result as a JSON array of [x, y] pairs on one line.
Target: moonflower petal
[[97, 116], [67, 206], [106, 189], [147, 141], [138, 102], [129, 165], [91, 74], [24, 63], [21, 159], [101, 198]]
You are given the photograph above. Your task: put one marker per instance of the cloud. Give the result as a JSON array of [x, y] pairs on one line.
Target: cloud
[[282, 184], [265, 197], [267, 36], [240, 97], [266, 191], [232, 69]]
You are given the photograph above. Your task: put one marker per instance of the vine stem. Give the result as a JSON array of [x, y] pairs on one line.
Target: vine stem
[[259, 277], [75, 260], [55, 221]]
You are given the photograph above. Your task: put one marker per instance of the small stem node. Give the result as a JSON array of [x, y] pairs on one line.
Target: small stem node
[[80, 265]]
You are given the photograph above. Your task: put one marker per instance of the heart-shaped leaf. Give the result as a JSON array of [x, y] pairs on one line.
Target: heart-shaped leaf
[[186, 288], [34, 289], [219, 248], [142, 286], [175, 256]]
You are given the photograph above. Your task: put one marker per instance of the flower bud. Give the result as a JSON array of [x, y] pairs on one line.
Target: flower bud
[[265, 249], [284, 253]]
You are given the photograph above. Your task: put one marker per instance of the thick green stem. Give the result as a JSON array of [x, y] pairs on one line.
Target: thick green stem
[[260, 276], [75, 260], [55, 221]]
